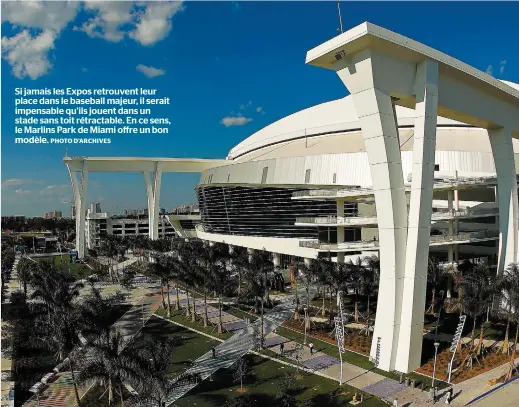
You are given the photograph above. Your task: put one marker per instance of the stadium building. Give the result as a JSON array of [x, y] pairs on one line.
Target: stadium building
[[420, 159]]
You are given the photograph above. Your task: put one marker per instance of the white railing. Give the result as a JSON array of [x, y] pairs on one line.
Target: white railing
[[464, 236], [315, 244]]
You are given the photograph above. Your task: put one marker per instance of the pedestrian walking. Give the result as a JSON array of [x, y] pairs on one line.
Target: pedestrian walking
[[311, 345], [281, 348], [448, 396], [214, 352], [395, 403]]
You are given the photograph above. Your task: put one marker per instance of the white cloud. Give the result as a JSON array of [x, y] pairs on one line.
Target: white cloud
[[84, 69], [235, 121], [22, 191], [28, 51], [144, 22], [16, 182], [28, 55], [259, 109], [150, 71], [110, 17], [490, 70], [502, 66], [155, 23], [57, 190], [43, 15]]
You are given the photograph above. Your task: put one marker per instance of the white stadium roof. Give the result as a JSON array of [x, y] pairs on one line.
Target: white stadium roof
[[336, 116]]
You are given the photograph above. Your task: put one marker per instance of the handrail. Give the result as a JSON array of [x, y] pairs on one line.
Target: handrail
[[315, 244], [349, 220]]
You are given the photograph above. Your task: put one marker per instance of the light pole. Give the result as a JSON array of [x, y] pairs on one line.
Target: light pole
[[142, 304], [305, 322], [436, 345]]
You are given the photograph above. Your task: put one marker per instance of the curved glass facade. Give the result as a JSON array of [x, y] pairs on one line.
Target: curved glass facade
[[267, 212]]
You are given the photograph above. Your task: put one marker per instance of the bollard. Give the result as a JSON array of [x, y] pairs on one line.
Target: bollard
[[413, 384], [421, 386], [407, 381], [401, 378]]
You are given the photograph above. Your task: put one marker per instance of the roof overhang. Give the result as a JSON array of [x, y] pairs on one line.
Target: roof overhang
[[141, 164], [463, 90]]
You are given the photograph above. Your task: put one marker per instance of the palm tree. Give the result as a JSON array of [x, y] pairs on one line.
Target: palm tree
[[220, 278], [355, 273], [111, 248], [479, 288], [435, 276], [308, 276], [109, 363], [370, 281], [57, 293], [159, 268], [154, 385], [99, 312], [25, 269], [260, 265], [511, 289], [239, 261], [188, 276]]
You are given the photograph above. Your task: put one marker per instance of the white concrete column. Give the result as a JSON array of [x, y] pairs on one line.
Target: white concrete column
[[250, 252], [420, 211], [79, 189], [307, 262], [153, 194], [340, 229], [365, 81], [503, 152], [276, 259], [450, 200]]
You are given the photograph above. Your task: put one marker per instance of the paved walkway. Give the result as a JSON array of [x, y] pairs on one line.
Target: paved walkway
[[7, 398], [229, 351], [506, 396], [369, 382], [230, 322], [60, 392]]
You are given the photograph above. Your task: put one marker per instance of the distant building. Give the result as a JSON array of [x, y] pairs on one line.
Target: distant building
[[53, 215]]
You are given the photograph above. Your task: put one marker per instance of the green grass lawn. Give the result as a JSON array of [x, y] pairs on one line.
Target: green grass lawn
[[78, 270], [180, 318], [263, 385], [189, 345], [349, 357]]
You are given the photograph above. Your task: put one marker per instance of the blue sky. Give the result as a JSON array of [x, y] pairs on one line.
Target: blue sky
[[214, 60]]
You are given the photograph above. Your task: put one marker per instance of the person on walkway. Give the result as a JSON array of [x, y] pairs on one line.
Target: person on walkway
[[214, 353], [311, 346], [395, 403], [448, 396], [281, 348]]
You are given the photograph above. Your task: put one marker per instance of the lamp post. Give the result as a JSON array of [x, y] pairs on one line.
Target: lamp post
[[436, 345], [305, 321]]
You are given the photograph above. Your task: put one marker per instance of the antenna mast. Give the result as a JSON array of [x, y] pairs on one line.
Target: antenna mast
[[340, 18]]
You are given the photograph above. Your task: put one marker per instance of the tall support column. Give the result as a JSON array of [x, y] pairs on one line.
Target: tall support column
[[456, 225], [308, 262], [503, 152], [153, 194], [277, 259], [420, 211], [380, 132], [250, 252], [340, 229], [79, 188]]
